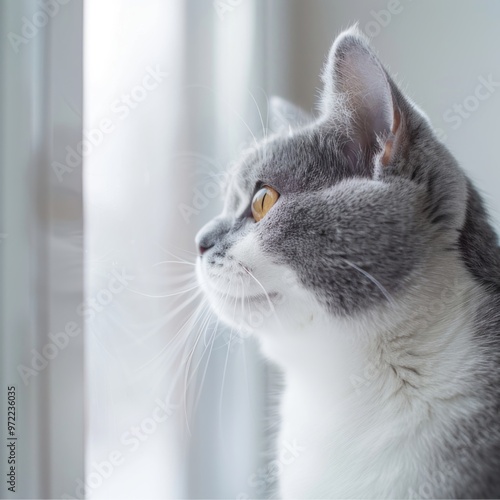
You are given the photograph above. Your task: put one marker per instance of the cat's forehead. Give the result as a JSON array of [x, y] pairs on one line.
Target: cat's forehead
[[298, 162]]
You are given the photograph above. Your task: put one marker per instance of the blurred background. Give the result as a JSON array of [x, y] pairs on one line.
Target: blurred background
[[118, 119]]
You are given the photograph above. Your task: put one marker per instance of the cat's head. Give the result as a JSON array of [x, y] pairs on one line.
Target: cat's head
[[345, 210]]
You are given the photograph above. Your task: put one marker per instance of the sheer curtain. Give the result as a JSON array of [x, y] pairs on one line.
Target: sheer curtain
[[150, 183], [133, 66]]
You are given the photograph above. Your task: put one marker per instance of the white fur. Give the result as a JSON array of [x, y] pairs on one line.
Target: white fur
[[375, 440], [364, 432]]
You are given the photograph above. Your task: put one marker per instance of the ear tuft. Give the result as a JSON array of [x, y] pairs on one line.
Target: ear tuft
[[285, 116]]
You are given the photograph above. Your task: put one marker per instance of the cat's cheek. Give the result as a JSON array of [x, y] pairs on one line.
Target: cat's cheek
[[269, 274], [247, 251]]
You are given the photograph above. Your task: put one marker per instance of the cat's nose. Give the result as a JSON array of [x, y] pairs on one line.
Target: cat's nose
[[202, 249], [211, 233], [204, 239], [203, 243]]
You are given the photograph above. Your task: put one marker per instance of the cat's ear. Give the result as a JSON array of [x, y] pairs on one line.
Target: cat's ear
[[284, 117], [359, 93]]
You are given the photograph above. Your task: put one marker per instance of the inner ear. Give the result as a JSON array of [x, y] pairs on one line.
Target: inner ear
[[389, 145], [357, 91]]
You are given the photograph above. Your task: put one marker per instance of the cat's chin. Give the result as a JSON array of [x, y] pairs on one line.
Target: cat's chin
[[247, 314]]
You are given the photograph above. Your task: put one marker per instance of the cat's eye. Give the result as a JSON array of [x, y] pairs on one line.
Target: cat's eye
[[262, 201]]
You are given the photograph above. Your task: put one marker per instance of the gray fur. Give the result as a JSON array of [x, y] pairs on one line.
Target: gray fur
[[329, 217]]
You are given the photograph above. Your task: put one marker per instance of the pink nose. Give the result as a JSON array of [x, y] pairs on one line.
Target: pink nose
[[202, 249]]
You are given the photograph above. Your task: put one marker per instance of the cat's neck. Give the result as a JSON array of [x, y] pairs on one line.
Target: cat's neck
[[369, 384], [421, 340]]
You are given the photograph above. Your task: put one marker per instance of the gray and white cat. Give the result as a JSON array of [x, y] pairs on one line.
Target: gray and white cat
[[374, 250]]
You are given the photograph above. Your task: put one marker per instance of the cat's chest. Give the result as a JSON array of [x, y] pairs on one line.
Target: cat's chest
[[355, 449], [367, 412]]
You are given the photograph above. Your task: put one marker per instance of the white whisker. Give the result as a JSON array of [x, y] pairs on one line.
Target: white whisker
[[163, 296], [186, 263], [373, 280], [263, 289]]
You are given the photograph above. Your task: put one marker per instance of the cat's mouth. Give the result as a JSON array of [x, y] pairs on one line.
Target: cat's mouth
[[235, 293], [245, 312], [258, 298]]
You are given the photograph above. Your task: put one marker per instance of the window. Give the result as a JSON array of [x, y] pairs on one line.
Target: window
[[118, 119]]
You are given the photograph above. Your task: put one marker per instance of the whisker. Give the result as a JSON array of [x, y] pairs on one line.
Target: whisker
[[273, 310], [203, 330], [187, 379], [211, 344], [186, 263], [163, 296], [226, 362], [179, 259], [264, 130], [373, 280], [263, 289], [202, 382], [200, 316], [176, 336], [184, 250], [189, 361]]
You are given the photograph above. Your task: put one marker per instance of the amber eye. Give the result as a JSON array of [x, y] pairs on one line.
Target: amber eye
[[262, 202]]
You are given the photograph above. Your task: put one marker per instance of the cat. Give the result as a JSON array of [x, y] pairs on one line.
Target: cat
[[372, 253]]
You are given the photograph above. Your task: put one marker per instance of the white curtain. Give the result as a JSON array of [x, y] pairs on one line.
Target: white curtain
[[143, 183]]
